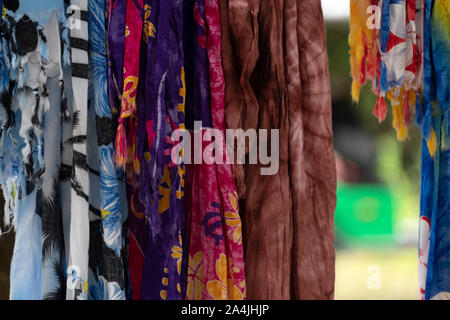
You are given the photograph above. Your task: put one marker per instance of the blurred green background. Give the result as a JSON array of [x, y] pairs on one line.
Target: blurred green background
[[378, 190]]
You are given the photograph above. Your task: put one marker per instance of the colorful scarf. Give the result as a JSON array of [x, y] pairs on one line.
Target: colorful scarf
[[63, 188], [28, 70], [215, 267], [158, 194], [434, 255], [133, 34], [138, 231], [106, 266], [414, 72]]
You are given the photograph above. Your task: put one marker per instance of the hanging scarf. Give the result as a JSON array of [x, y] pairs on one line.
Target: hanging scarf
[[215, 267], [360, 40], [106, 268], [411, 43], [236, 288], [76, 221], [434, 210], [151, 117], [418, 76], [417, 83], [134, 40], [162, 112], [116, 42], [30, 175], [279, 211], [133, 33]]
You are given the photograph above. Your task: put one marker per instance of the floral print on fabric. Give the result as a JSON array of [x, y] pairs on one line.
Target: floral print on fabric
[[31, 74], [106, 275], [216, 265], [164, 271]]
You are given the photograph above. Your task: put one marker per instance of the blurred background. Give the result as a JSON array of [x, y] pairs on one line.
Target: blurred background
[[378, 185], [378, 193]]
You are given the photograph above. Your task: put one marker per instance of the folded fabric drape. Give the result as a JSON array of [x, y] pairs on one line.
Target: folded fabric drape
[[107, 230], [92, 93], [412, 71], [276, 73], [216, 266]]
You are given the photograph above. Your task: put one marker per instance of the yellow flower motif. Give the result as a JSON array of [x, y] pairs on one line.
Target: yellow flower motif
[[105, 213], [129, 95], [218, 288], [163, 294], [182, 91], [195, 286], [149, 28], [127, 31], [177, 253], [224, 288], [85, 287], [233, 220], [234, 293]]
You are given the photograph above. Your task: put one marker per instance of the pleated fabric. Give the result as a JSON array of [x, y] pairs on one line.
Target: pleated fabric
[[63, 192], [434, 253], [161, 111], [276, 73], [216, 265], [91, 95], [30, 176], [107, 202], [76, 226]]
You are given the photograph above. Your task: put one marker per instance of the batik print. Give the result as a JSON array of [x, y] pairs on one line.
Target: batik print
[[395, 61], [139, 229], [151, 118], [136, 14], [107, 272], [133, 34], [138, 234], [236, 288], [164, 275], [215, 266]]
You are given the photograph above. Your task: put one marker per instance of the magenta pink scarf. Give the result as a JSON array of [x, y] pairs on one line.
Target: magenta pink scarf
[[216, 261]]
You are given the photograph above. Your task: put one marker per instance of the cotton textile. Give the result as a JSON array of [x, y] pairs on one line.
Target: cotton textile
[[276, 75], [94, 93], [69, 228]]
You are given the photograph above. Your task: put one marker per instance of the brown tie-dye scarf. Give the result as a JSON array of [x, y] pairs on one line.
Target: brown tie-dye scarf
[[276, 71]]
